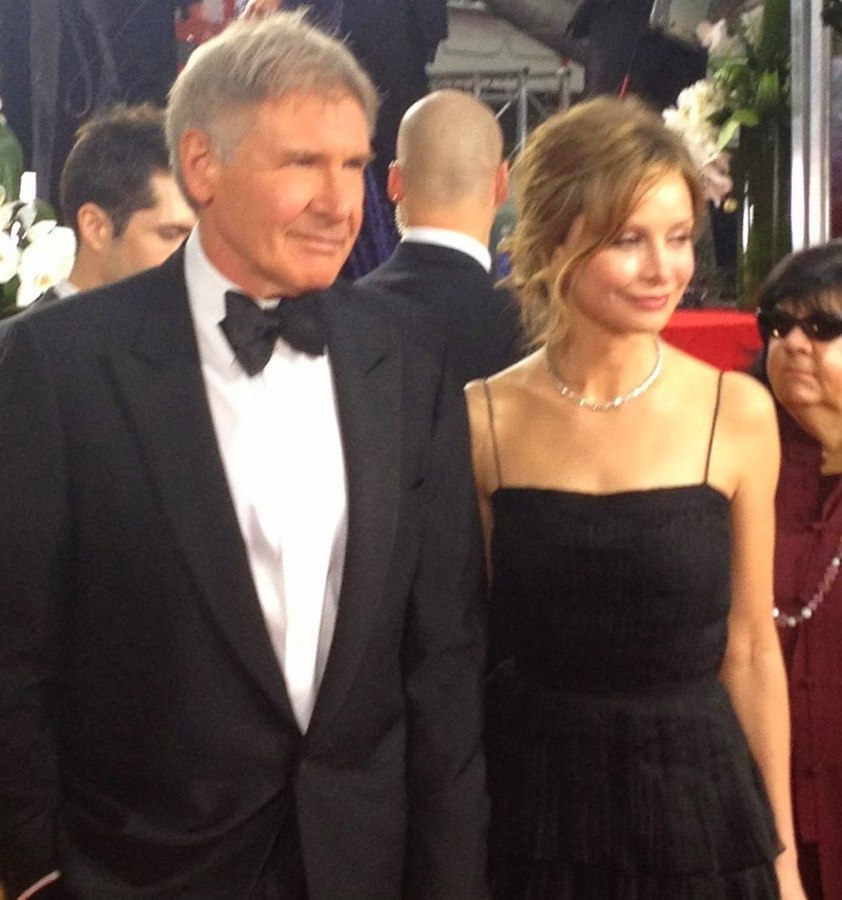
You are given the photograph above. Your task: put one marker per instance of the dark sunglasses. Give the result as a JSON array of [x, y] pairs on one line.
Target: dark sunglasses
[[818, 326]]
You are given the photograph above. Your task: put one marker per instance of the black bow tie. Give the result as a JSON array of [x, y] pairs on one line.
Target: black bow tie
[[252, 331]]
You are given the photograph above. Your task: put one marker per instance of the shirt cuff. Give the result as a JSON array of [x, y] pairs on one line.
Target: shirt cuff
[[41, 883]]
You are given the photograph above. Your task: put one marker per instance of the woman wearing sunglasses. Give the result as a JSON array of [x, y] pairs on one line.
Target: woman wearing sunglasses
[[800, 319]]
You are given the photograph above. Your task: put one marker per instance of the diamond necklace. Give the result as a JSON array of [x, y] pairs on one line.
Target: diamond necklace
[[782, 620], [585, 403]]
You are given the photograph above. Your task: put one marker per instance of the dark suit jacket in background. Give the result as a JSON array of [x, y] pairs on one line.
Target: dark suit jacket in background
[[48, 298], [393, 39], [621, 44], [448, 297], [148, 748], [60, 60]]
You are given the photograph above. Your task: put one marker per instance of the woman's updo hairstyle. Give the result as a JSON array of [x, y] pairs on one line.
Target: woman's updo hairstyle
[[591, 163]]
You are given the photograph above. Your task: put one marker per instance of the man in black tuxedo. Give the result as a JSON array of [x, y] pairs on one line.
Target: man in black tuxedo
[[449, 180], [242, 640]]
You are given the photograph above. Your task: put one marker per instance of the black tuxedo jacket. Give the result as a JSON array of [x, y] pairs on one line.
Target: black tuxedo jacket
[[147, 744], [448, 297], [48, 298]]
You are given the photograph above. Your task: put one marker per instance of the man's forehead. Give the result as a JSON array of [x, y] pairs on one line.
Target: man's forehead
[[162, 182], [294, 102], [168, 201]]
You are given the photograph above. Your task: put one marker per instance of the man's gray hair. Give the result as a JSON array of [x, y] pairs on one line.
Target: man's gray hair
[[256, 60]]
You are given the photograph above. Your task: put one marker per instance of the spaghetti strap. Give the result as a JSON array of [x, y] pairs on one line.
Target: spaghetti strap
[[713, 425], [491, 430]]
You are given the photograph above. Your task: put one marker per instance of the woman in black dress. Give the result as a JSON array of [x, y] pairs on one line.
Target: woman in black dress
[[637, 716]]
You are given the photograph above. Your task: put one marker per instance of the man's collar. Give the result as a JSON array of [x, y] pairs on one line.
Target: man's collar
[[454, 240], [65, 288]]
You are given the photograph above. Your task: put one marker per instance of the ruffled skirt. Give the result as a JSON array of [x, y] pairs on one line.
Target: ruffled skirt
[[624, 797]]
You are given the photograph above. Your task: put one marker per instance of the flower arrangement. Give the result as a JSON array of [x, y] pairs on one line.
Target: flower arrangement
[[692, 117], [34, 255], [748, 81], [736, 124], [35, 252]]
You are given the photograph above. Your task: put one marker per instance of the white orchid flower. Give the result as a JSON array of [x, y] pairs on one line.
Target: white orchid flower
[[44, 263], [40, 230], [710, 33], [752, 23], [690, 118], [715, 38], [9, 257], [7, 212]]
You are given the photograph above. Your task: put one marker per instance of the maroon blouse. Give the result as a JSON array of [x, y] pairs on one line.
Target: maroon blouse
[[809, 528]]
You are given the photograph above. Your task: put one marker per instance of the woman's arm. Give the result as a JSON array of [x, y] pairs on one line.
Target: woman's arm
[[753, 669]]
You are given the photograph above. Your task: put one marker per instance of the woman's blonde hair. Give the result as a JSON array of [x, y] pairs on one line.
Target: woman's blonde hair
[[591, 163]]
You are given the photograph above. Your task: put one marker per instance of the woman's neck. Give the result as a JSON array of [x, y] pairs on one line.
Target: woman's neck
[[825, 426], [602, 367]]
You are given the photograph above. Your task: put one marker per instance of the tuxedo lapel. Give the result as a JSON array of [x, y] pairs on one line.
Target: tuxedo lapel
[[160, 380], [366, 364]]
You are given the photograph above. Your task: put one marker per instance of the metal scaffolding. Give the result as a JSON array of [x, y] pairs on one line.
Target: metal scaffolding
[[522, 90]]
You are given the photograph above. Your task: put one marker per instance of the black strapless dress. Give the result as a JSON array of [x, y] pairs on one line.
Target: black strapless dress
[[617, 766]]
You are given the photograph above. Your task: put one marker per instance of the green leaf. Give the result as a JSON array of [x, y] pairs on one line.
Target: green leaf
[[738, 118], [768, 92], [774, 33], [11, 162], [745, 116], [727, 132]]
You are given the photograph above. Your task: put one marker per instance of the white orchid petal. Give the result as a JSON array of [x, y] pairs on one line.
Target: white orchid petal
[[45, 262], [41, 229], [28, 293], [9, 258], [7, 211]]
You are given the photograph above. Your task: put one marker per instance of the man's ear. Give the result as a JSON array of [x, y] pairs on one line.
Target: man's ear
[[394, 182], [94, 226], [199, 166], [501, 184]]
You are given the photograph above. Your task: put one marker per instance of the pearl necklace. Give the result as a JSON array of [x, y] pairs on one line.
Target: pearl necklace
[[819, 595], [585, 403]]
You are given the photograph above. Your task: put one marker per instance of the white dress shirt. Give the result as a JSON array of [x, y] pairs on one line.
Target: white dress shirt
[[445, 237], [278, 434], [65, 288], [279, 438]]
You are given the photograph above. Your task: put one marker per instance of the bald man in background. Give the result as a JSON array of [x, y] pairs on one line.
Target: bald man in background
[[448, 181]]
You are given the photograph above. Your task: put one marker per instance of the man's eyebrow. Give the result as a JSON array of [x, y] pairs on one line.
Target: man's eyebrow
[[364, 156]]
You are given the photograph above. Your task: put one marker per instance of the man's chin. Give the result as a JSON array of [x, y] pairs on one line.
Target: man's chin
[[321, 277]]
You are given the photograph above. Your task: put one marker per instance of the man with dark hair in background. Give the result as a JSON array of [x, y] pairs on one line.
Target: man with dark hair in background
[[120, 197]]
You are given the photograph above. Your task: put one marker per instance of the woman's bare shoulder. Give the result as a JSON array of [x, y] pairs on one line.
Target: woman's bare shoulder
[[515, 377], [741, 393], [746, 400]]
